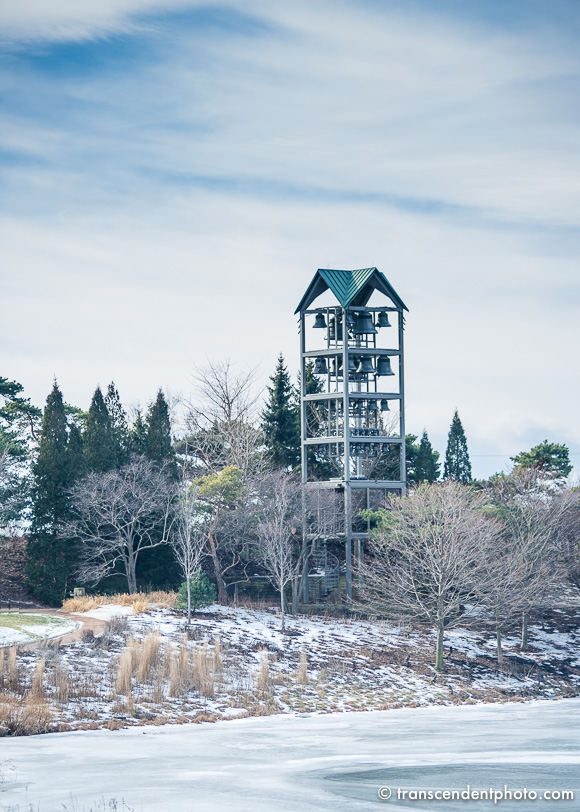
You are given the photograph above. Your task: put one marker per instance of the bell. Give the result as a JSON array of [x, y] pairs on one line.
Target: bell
[[352, 363], [356, 406], [385, 406], [350, 319], [365, 366], [320, 367], [383, 319], [321, 406], [364, 324], [336, 365], [367, 448], [332, 331], [385, 448], [371, 405], [384, 365], [319, 321]]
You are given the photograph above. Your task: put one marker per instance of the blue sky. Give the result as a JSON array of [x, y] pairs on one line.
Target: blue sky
[[173, 174]]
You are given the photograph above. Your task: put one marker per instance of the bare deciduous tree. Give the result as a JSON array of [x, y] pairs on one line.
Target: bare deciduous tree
[[222, 422], [565, 525], [524, 503], [117, 515], [189, 536], [279, 508], [428, 555]]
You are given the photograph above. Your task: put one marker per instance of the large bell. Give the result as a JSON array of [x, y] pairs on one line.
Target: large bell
[[319, 320], [320, 367], [385, 406], [383, 319], [350, 319], [334, 333], [321, 406], [371, 406], [364, 324], [365, 366], [336, 366], [384, 365], [352, 363]]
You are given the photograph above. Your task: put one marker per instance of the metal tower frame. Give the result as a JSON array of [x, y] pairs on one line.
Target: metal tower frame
[[352, 372]]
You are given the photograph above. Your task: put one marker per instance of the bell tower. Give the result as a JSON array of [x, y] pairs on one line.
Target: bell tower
[[352, 412]]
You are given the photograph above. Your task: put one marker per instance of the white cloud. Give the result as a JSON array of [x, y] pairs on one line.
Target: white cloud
[[176, 207]]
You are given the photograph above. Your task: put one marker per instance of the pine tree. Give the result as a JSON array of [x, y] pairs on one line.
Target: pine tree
[[51, 559], [76, 460], [158, 567], [159, 446], [99, 439], [138, 435], [119, 426], [457, 464], [427, 467], [280, 423]]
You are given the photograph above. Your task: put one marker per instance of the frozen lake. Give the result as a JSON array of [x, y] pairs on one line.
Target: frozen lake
[[317, 763]]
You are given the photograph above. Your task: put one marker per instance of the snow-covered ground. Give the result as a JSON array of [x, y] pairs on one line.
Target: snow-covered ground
[[24, 627], [294, 764], [149, 669]]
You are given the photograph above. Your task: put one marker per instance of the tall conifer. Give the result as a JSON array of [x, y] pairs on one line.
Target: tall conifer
[[138, 435], [158, 567], [280, 423], [99, 439], [427, 467], [457, 464], [119, 425], [51, 559], [159, 446]]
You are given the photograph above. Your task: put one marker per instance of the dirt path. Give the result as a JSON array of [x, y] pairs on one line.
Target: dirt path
[[94, 624]]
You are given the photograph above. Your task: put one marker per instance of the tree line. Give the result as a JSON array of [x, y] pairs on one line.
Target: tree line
[[116, 502]]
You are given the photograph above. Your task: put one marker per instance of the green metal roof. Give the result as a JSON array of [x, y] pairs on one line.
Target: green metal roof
[[349, 287]]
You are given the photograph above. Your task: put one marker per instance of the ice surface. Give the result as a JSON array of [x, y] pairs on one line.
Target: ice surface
[[317, 763]]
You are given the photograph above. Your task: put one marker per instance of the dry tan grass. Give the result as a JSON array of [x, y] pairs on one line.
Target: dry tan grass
[[123, 684], [61, 683], [264, 680], [23, 718], [12, 674], [217, 653], [180, 671], [204, 671], [302, 674], [37, 685], [84, 604], [148, 657]]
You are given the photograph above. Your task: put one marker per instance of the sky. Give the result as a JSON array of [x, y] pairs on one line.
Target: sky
[[173, 173]]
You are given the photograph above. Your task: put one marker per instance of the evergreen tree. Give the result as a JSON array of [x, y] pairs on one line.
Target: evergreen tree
[[427, 463], [99, 439], [159, 446], [280, 423], [51, 559], [119, 427], [138, 435], [158, 566], [551, 459], [76, 460], [457, 464], [411, 455]]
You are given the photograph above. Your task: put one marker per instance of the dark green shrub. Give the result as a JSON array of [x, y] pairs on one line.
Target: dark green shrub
[[203, 593]]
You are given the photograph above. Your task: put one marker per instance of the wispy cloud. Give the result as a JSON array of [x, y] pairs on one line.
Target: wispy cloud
[[160, 160]]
